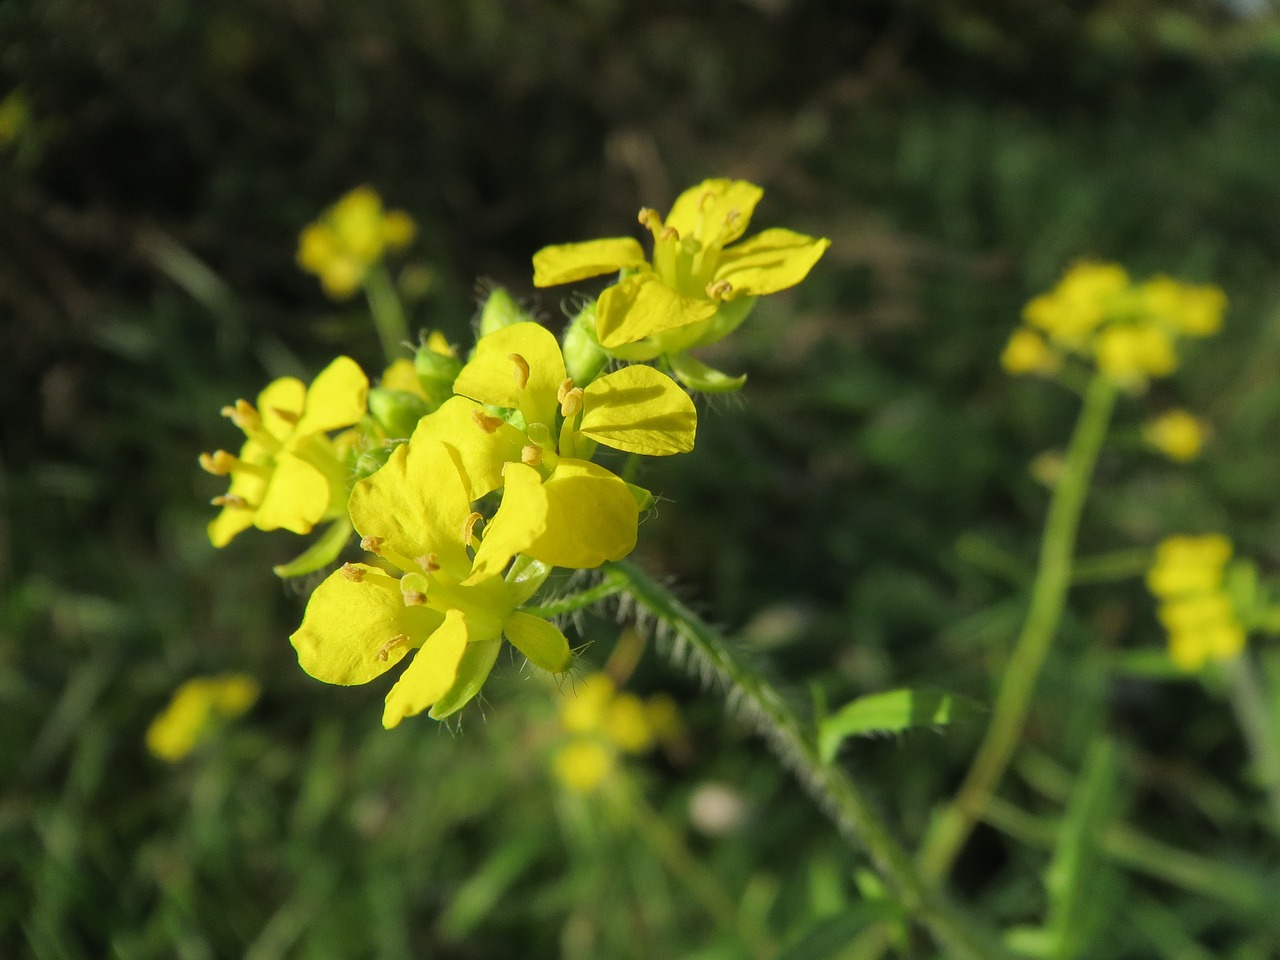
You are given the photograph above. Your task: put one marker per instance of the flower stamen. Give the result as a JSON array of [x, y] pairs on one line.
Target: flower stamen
[[485, 421], [521, 372], [719, 289], [531, 455], [397, 640], [469, 528], [352, 572]]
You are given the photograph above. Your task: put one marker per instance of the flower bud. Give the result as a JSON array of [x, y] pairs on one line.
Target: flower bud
[[583, 356], [396, 411], [436, 373], [499, 311]]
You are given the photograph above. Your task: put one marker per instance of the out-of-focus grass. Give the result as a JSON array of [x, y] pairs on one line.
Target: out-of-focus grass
[[863, 516]]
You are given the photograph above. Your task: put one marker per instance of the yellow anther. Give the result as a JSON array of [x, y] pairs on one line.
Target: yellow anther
[[288, 416], [531, 455], [397, 640], [371, 544], [352, 572], [486, 422], [231, 500], [669, 233], [429, 562], [521, 372], [564, 388], [732, 217], [219, 463], [414, 598], [469, 528], [571, 403], [650, 219], [717, 289], [243, 415], [702, 200]]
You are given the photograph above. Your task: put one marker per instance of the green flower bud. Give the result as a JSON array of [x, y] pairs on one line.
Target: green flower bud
[[396, 411], [499, 311], [584, 358], [436, 373]]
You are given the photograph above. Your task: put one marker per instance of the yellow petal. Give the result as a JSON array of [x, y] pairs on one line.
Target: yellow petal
[[479, 451], [349, 623], [715, 212], [770, 261], [492, 377], [337, 398], [229, 522], [402, 375], [568, 262], [249, 487], [416, 504], [642, 305], [280, 406], [296, 497], [432, 673], [639, 410], [540, 641], [582, 516]]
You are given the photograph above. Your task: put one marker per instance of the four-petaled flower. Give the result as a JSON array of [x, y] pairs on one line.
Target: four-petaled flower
[[557, 506], [288, 474], [697, 288], [415, 513]]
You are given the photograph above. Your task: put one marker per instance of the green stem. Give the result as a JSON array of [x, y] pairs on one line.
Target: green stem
[[952, 827], [1250, 706], [609, 587], [842, 799], [388, 314]]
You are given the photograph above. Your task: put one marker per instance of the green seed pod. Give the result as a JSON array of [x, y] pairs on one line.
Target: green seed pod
[[396, 411], [499, 311], [584, 358]]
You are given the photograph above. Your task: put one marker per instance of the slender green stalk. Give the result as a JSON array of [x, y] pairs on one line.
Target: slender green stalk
[[388, 314], [1250, 706], [833, 789], [611, 586], [952, 827]]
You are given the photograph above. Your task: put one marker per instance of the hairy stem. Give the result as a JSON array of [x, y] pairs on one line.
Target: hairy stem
[[952, 827], [842, 799]]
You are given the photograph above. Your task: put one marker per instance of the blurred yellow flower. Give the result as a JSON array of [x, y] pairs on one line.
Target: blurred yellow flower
[[1197, 613], [1087, 295], [350, 237], [289, 474], [1028, 352], [196, 707], [583, 765], [1177, 434], [1131, 354]]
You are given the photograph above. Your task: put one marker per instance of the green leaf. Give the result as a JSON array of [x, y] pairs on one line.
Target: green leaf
[[324, 551], [696, 375], [891, 712], [829, 937]]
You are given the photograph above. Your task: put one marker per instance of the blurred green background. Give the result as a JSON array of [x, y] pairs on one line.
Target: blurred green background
[[861, 515]]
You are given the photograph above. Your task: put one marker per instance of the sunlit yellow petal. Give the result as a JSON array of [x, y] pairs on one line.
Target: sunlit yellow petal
[[567, 262], [229, 522], [296, 497], [493, 377], [579, 518], [416, 504], [770, 261], [639, 410], [540, 641], [402, 375], [337, 398], [432, 672], [715, 211], [280, 406], [481, 442], [642, 305], [347, 632]]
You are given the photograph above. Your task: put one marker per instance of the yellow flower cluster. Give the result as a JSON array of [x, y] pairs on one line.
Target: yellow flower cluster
[[197, 706], [1177, 434], [1128, 330], [496, 484], [1187, 577], [349, 238], [601, 724]]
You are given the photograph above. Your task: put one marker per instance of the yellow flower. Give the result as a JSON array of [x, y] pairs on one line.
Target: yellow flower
[[415, 513], [1177, 434], [196, 707], [1186, 565], [1084, 298], [697, 288], [402, 376], [288, 474], [1194, 311], [350, 237], [1132, 353], [557, 506], [1027, 352], [1196, 611], [583, 765]]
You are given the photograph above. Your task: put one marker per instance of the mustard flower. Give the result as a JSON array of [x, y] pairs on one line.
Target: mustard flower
[[1027, 352], [557, 506], [195, 708], [1188, 577], [349, 238], [289, 474], [1177, 434], [698, 286], [415, 513]]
